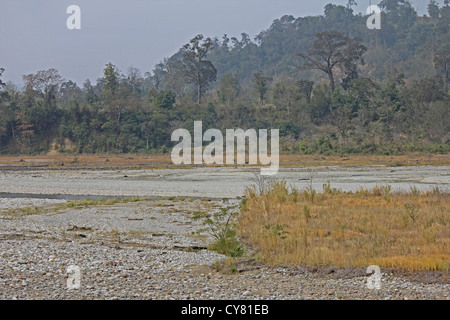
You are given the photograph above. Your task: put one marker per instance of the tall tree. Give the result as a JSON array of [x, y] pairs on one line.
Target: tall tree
[[442, 66], [135, 79], [285, 95], [350, 4], [261, 84], [111, 78], [158, 74], [115, 96], [433, 9], [45, 83], [70, 92], [196, 69], [228, 89], [333, 49], [89, 92], [306, 87], [1, 72]]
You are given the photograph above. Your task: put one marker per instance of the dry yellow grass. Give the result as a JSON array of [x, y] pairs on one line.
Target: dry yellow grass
[[410, 159], [107, 161], [403, 231]]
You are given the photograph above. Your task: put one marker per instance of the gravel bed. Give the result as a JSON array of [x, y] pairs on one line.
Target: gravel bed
[[23, 202], [152, 250], [217, 182]]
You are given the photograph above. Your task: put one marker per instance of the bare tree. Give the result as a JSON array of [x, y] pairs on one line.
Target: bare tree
[[45, 82], [333, 49], [261, 182]]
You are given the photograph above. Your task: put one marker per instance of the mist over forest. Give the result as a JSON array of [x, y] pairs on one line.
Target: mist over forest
[[328, 83]]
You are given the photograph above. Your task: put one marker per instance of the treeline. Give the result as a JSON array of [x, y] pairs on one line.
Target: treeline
[[327, 82]]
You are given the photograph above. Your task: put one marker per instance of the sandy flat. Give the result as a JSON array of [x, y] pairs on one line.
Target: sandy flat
[[216, 182]]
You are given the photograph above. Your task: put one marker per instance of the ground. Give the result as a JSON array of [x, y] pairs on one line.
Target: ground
[[153, 249]]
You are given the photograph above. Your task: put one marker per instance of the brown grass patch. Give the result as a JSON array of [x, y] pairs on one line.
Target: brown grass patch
[[411, 159], [144, 161], [397, 230]]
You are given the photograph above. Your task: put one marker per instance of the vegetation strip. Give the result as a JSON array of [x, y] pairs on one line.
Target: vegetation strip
[[407, 231]]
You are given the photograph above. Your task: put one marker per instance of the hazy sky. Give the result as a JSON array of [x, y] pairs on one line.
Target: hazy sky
[[139, 33]]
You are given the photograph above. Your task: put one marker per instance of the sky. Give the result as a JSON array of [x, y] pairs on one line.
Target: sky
[[138, 33]]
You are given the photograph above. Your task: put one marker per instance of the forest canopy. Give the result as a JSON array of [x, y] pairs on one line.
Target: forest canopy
[[331, 86]]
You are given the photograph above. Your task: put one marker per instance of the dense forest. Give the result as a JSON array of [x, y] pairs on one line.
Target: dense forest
[[331, 86]]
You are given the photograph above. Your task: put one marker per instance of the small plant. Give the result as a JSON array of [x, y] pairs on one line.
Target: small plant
[[415, 191], [436, 191], [307, 213], [277, 230], [261, 182], [227, 266], [327, 189], [412, 211], [28, 211], [221, 226], [382, 191], [309, 194]]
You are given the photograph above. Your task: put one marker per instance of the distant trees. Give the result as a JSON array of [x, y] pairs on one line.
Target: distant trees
[[433, 9], [400, 16], [442, 65], [42, 89], [285, 95], [69, 93], [135, 80], [395, 103], [229, 88], [196, 69], [164, 99], [261, 85], [332, 49], [306, 87], [111, 78], [350, 4], [45, 83]]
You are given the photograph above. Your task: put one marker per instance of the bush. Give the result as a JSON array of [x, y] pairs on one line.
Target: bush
[[221, 226]]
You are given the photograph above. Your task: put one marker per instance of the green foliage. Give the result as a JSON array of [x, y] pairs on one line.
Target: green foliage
[[396, 102], [102, 202], [260, 85], [194, 66], [111, 77], [277, 230], [221, 226], [331, 50]]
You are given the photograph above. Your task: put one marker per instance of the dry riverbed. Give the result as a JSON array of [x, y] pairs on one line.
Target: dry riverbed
[[223, 182], [152, 250]]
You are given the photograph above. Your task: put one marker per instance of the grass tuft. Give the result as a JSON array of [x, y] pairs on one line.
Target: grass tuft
[[409, 231]]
